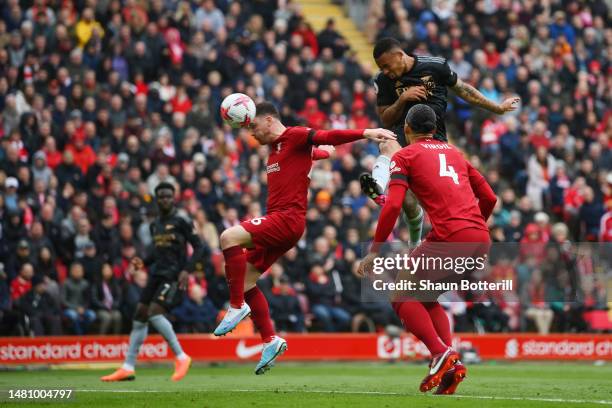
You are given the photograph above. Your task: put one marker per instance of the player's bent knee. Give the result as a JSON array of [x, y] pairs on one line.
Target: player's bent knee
[[229, 238], [234, 236]]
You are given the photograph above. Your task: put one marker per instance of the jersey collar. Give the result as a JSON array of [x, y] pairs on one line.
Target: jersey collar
[[416, 61], [426, 140]]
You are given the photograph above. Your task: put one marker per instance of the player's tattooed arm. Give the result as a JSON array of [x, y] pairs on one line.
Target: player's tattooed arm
[[473, 96], [390, 114]]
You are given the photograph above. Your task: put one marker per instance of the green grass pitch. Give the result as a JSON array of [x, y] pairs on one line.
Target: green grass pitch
[[293, 385]]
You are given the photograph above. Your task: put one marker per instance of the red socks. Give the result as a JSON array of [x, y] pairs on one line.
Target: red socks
[[416, 320], [235, 271], [260, 313], [440, 321]]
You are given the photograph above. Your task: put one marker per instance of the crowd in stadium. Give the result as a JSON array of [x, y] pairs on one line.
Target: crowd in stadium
[[102, 100]]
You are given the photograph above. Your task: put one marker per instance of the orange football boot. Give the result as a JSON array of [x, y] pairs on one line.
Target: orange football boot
[[451, 379], [440, 364], [120, 374], [180, 368]]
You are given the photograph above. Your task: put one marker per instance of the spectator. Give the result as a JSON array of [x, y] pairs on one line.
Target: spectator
[[42, 309], [91, 261], [76, 300], [329, 37], [106, 301], [45, 267], [40, 170], [9, 318], [314, 118], [590, 215], [324, 302], [208, 16], [23, 282], [87, 28], [537, 309], [16, 260], [285, 307], [197, 313], [540, 169], [10, 198]]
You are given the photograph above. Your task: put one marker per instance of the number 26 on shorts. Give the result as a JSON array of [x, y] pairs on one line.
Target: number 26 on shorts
[[447, 171]]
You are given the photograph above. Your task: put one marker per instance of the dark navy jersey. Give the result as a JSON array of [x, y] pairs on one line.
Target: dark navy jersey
[[170, 236], [431, 72]]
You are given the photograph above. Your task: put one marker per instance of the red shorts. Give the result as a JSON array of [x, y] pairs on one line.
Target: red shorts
[[465, 247], [470, 242], [273, 235]]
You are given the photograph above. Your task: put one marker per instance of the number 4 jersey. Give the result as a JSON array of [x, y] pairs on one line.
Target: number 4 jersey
[[445, 183]]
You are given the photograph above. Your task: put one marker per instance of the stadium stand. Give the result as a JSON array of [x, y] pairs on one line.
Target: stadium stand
[[102, 100]]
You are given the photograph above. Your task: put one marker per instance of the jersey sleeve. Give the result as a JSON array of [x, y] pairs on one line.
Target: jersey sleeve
[[389, 214], [385, 92], [319, 154], [399, 170], [446, 75], [301, 137]]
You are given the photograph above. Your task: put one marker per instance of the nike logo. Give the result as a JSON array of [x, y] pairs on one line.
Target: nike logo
[[243, 351], [434, 368]]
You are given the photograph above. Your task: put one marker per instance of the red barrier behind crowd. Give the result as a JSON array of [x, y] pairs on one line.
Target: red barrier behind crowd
[[303, 347]]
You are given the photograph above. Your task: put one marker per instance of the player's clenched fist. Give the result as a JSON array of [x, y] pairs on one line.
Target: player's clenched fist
[[414, 93], [379, 135]]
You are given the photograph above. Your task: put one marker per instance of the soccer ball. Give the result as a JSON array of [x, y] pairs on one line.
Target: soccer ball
[[237, 110]]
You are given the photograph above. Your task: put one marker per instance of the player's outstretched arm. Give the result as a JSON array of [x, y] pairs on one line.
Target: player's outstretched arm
[[338, 137], [473, 96]]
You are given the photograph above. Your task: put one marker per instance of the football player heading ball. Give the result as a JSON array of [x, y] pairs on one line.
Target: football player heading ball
[[267, 238], [404, 81]]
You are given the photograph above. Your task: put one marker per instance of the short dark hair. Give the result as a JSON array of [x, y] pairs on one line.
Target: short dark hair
[[266, 108], [421, 119], [164, 185], [385, 45]]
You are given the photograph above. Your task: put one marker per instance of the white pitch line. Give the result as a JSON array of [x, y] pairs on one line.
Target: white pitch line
[[399, 394]]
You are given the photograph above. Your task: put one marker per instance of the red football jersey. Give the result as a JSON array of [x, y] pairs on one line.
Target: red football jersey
[[442, 180], [289, 164]]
